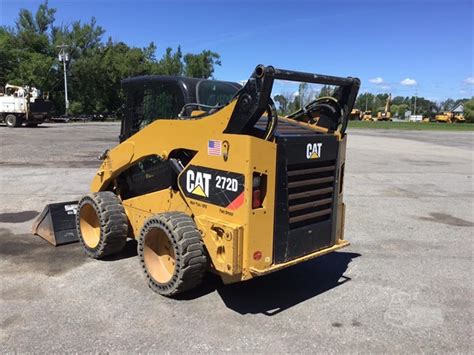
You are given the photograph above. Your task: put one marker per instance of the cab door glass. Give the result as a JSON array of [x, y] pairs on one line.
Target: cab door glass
[[155, 101]]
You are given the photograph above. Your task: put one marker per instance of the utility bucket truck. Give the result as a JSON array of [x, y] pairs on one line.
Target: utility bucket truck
[[23, 105]]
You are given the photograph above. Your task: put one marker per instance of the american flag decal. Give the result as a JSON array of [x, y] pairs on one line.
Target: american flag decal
[[214, 147]]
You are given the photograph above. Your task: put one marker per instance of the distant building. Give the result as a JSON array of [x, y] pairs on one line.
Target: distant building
[[459, 108]]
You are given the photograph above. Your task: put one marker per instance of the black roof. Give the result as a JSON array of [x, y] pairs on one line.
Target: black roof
[[187, 85], [144, 79]]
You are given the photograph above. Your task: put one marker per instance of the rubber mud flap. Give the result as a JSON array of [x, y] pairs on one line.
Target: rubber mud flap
[[57, 223]]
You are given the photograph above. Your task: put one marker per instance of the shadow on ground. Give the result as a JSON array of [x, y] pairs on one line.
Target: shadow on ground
[[281, 290], [18, 217], [30, 254], [23, 127], [447, 219], [268, 295], [129, 251]]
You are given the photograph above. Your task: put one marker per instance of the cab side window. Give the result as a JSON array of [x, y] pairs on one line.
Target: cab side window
[[152, 102]]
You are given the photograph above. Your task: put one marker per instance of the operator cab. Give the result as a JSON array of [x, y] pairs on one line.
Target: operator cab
[[153, 97]]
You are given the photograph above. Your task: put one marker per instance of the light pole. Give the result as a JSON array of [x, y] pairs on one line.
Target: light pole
[[416, 94], [64, 57]]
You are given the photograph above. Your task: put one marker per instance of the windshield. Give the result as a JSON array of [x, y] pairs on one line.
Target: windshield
[[215, 93]]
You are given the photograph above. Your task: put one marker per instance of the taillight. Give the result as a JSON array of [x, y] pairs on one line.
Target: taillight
[[258, 190], [256, 201]]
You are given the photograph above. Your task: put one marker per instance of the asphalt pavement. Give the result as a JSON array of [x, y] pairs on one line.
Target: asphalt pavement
[[404, 285]]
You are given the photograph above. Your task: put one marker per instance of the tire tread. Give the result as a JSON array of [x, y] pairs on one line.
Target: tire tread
[[113, 224], [191, 260]]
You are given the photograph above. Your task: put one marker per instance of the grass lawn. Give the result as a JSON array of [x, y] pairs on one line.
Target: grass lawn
[[415, 126]]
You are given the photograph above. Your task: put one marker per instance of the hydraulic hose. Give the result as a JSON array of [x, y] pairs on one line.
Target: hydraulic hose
[[272, 121]]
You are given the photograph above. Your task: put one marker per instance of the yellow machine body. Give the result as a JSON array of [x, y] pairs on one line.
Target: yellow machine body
[[367, 116], [208, 177], [356, 115], [450, 117], [239, 238], [386, 115]]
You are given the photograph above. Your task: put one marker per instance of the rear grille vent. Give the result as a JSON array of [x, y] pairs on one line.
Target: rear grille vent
[[310, 192]]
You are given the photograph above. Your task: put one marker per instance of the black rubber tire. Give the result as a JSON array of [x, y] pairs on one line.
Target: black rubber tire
[[12, 121], [189, 252], [113, 223]]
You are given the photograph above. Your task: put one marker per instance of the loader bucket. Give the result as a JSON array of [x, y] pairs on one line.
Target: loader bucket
[[57, 223]]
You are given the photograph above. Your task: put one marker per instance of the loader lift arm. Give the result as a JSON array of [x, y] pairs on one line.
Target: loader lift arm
[[254, 98]]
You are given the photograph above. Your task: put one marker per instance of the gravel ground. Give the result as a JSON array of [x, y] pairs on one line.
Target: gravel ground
[[404, 285]]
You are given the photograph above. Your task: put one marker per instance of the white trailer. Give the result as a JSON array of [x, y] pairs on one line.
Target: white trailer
[[415, 118], [23, 105]]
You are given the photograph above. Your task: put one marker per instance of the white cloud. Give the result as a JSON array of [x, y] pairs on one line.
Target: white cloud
[[378, 80], [469, 80], [408, 82]]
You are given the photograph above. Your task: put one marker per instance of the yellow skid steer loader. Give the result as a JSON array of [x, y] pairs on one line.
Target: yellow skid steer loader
[[208, 177]]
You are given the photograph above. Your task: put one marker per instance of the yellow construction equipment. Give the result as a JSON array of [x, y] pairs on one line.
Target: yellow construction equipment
[[208, 177], [450, 117], [367, 116], [458, 118], [355, 115], [386, 115]]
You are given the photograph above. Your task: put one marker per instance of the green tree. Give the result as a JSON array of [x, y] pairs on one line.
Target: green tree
[[399, 104], [398, 100], [28, 56], [80, 37], [201, 65], [326, 90], [6, 54], [33, 32], [294, 104], [394, 110], [282, 103], [171, 63], [469, 110], [402, 108], [25, 51], [364, 101], [447, 104]]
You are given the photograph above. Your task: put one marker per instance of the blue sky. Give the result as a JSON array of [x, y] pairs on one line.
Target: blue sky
[[401, 47]]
